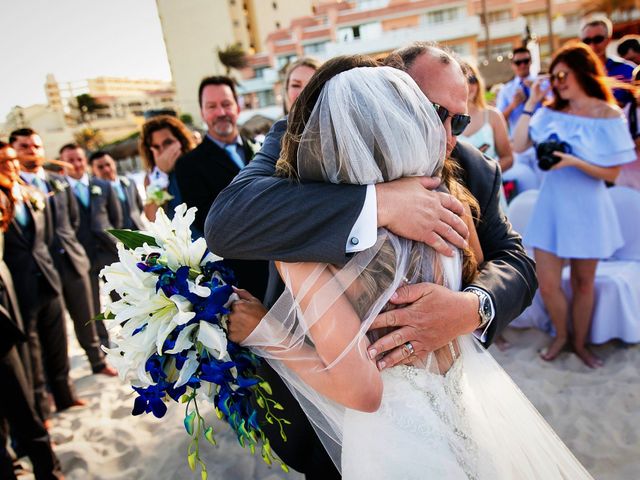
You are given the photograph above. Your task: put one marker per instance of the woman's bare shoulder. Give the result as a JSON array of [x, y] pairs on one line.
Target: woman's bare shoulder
[[607, 110]]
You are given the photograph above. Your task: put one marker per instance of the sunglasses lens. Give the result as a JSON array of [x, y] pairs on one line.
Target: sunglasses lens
[[458, 123], [472, 80], [596, 39], [523, 61], [442, 112]]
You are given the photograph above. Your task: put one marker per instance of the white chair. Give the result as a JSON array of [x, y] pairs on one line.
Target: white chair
[[520, 210], [616, 312]]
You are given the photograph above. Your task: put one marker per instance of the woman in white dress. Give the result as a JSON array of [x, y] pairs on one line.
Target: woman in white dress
[[574, 217], [454, 414]]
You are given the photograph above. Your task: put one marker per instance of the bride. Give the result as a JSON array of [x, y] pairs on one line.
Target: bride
[[454, 414]]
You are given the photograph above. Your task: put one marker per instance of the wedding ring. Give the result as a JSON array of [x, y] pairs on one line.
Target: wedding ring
[[409, 349]]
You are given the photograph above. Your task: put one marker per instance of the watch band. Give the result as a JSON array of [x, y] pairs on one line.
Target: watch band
[[484, 306]]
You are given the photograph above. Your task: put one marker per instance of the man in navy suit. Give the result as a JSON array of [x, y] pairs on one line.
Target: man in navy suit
[[205, 171], [103, 167]]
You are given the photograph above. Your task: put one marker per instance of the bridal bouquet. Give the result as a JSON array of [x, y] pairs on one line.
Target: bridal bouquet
[[169, 330]]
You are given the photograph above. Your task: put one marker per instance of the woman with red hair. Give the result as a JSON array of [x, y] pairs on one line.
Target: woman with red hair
[[586, 139]]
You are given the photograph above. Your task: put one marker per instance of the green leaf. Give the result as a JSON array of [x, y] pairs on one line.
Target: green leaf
[[203, 475], [277, 406], [185, 398], [106, 315], [260, 402], [284, 468], [132, 240]]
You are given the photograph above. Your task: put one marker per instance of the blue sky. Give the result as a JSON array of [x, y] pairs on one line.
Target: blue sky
[[75, 40]]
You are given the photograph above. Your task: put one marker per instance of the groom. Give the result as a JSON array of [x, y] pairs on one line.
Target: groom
[[326, 223]]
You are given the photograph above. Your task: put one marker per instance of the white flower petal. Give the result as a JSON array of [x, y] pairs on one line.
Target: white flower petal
[[188, 369], [184, 340], [213, 338]]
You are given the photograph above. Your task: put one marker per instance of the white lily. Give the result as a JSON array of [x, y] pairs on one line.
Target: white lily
[[214, 339]]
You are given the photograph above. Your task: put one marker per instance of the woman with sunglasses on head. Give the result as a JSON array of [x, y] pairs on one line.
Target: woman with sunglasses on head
[[574, 217], [488, 129]]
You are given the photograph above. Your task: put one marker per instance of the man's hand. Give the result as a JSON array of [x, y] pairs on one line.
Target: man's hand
[[410, 209], [431, 317], [245, 315]]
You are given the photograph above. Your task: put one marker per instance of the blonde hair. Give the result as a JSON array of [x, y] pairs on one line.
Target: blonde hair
[[470, 70]]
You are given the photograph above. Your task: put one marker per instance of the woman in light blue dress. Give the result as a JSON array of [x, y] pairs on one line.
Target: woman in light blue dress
[[574, 217]]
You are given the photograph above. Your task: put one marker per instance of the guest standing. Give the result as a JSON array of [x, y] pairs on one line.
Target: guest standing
[[296, 78], [17, 402], [103, 167], [98, 210], [574, 217], [205, 171], [488, 129], [68, 254], [163, 140]]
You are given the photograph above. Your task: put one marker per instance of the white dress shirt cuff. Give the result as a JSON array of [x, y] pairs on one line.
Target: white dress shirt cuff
[[364, 233]]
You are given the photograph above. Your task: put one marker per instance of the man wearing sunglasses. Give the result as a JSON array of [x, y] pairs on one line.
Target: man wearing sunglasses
[[510, 102], [596, 33], [515, 92]]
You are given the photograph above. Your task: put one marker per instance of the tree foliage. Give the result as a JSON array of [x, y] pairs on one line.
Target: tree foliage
[[233, 57]]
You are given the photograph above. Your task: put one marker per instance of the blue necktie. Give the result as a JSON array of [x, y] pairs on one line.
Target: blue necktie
[[82, 192], [119, 191], [21, 213], [40, 185], [232, 151], [525, 89]]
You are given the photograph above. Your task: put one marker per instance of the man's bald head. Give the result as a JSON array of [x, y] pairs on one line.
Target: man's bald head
[[438, 74]]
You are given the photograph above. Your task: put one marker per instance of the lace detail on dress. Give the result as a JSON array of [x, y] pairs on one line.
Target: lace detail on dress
[[443, 395]]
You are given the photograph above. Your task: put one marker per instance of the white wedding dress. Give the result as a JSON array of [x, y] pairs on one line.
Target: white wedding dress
[[468, 421]]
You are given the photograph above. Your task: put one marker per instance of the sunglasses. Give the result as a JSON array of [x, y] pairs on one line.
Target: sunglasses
[[459, 121], [472, 80], [595, 40], [522, 61], [559, 77]]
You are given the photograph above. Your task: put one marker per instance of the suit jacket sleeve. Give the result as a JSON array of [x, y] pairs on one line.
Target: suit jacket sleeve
[[194, 187], [263, 217], [507, 274]]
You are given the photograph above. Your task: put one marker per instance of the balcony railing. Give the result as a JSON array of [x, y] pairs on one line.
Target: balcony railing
[[440, 32]]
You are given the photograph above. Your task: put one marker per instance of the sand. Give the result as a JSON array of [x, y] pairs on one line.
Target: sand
[[597, 413]]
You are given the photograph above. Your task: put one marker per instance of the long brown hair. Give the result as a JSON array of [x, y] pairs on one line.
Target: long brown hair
[[177, 128], [286, 165], [7, 201], [588, 71]]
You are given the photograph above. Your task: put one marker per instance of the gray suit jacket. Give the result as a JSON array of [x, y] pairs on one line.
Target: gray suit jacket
[[65, 223], [262, 216], [132, 207], [102, 214]]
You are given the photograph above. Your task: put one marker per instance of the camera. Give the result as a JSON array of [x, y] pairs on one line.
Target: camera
[[544, 152]]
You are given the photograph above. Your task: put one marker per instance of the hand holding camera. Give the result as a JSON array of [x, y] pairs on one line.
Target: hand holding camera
[[553, 151]]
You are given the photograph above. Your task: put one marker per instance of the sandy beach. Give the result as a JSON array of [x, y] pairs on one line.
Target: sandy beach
[[597, 413]]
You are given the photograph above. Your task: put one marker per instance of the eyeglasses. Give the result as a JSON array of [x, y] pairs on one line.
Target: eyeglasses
[[459, 121], [596, 39], [560, 77], [472, 79], [522, 61]]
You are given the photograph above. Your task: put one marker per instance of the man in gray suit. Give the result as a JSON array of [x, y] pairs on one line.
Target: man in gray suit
[[69, 256], [98, 210], [103, 166], [329, 231]]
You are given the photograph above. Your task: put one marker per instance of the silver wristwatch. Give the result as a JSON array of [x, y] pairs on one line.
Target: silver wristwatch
[[485, 310]]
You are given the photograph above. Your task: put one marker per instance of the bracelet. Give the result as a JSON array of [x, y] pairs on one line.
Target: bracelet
[[527, 112]]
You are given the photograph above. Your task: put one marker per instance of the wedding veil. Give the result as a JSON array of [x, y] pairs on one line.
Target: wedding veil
[[372, 125]]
